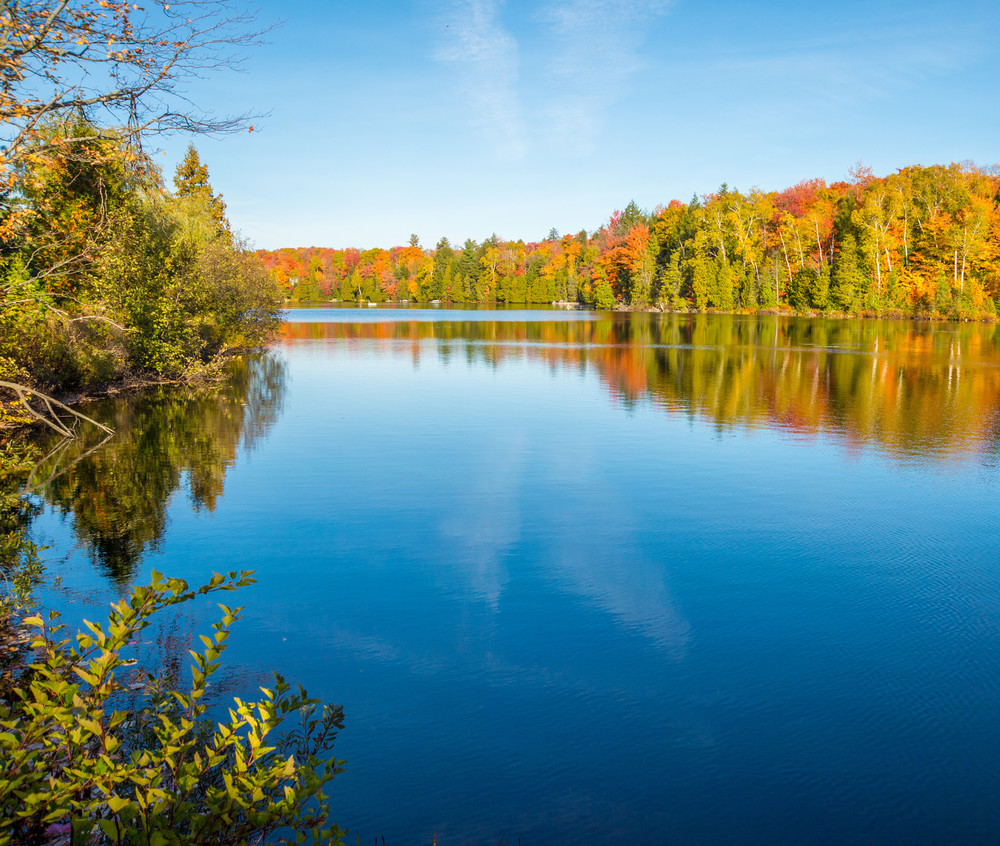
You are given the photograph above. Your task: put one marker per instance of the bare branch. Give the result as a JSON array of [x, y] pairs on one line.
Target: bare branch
[[50, 417], [64, 315], [142, 54]]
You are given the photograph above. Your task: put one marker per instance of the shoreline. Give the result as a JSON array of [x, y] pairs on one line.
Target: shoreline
[[14, 419], [889, 314], [11, 412]]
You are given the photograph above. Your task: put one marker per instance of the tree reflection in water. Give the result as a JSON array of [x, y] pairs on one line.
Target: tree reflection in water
[[909, 388], [117, 488]]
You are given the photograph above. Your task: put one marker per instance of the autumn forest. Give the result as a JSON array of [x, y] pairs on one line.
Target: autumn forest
[[922, 241]]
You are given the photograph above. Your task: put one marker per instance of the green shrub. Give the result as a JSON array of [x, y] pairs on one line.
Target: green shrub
[[73, 759]]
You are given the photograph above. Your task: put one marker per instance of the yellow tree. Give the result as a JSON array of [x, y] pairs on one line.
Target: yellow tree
[[975, 251], [748, 217], [572, 249], [490, 262], [874, 217]]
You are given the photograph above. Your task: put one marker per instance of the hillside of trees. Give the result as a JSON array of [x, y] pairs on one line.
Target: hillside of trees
[[922, 241]]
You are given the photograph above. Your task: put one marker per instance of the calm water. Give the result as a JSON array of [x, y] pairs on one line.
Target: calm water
[[591, 578]]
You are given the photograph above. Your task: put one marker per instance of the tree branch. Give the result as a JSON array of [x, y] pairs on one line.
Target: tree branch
[[50, 417]]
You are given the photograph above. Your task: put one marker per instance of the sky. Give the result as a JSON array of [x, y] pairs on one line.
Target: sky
[[465, 118]]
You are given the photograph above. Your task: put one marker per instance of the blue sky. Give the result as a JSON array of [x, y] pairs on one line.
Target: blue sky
[[469, 117]]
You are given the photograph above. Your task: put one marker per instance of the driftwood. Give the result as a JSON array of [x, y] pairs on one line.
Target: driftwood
[[50, 416]]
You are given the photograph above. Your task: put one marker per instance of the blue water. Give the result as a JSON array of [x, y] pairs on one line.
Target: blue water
[[606, 580]]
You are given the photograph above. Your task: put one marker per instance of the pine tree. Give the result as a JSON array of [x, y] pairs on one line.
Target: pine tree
[[670, 286], [604, 297], [847, 282], [724, 282], [191, 180], [444, 258]]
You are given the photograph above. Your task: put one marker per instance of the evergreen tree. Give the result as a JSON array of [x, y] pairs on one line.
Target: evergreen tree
[[604, 297], [467, 271], [847, 283], [723, 296], [701, 279], [800, 289], [631, 216], [770, 284], [191, 180], [670, 284], [444, 257], [821, 288]]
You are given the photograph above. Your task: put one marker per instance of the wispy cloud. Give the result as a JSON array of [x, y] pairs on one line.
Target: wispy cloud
[[485, 55], [794, 93], [595, 52]]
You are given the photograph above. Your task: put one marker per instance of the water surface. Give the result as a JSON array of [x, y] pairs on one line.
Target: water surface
[[586, 577]]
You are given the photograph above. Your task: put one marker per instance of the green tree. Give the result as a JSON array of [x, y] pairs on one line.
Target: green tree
[[670, 283], [700, 270], [631, 216], [191, 181], [444, 259], [847, 281], [723, 289], [800, 289], [467, 272], [604, 297], [821, 288]]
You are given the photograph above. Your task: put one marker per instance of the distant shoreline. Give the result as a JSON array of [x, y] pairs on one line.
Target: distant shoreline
[[889, 314]]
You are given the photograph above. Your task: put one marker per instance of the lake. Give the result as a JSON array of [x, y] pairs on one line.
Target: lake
[[585, 577]]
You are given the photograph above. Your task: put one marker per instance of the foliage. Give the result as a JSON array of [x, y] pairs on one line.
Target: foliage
[[44, 345], [925, 240], [103, 276], [19, 564], [113, 64], [191, 180], [114, 278], [847, 281], [73, 759], [188, 291]]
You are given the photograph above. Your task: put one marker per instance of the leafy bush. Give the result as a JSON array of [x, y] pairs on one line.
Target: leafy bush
[[184, 291], [74, 760]]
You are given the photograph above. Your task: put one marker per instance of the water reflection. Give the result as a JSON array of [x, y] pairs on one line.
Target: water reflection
[[117, 488], [640, 602], [909, 388], [487, 521], [452, 518]]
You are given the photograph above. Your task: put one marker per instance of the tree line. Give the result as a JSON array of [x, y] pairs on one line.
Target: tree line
[[921, 241]]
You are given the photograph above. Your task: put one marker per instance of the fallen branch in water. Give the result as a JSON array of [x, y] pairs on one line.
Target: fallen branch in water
[[50, 417]]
